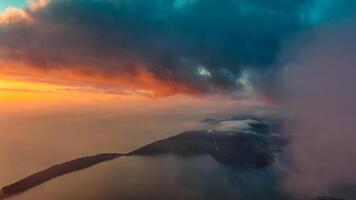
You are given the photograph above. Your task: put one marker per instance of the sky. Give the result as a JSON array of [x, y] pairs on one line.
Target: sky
[[12, 3], [154, 48]]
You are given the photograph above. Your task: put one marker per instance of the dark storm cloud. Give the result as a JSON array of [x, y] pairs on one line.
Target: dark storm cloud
[[202, 44]]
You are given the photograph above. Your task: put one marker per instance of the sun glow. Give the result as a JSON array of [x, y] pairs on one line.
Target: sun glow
[[24, 86], [15, 91], [24, 95]]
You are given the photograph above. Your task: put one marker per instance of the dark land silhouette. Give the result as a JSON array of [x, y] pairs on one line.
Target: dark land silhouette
[[228, 148]]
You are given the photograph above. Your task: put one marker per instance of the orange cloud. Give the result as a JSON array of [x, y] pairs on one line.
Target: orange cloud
[[139, 82], [13, 15], [38, 4]]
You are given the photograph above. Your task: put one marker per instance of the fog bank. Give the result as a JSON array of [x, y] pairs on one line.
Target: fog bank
[[321, 106]]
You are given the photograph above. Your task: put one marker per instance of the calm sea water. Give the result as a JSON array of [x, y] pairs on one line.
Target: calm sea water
[[160, 177]]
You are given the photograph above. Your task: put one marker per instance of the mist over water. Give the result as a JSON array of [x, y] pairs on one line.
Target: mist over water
[[31, 142], [39, 140], [321, 108], [161, 177]]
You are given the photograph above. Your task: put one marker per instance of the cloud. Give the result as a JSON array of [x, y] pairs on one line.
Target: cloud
[[321, 106], [167, 46], [257, 123], [237, 125], [38, 4], [13, 15]]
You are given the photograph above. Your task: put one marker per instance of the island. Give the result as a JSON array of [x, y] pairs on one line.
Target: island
[[53, 172], [228, 148]]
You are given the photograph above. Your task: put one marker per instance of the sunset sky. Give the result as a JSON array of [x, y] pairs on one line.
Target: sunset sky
[[98, 46], [109, 53], [90, 54], [90, 50]]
